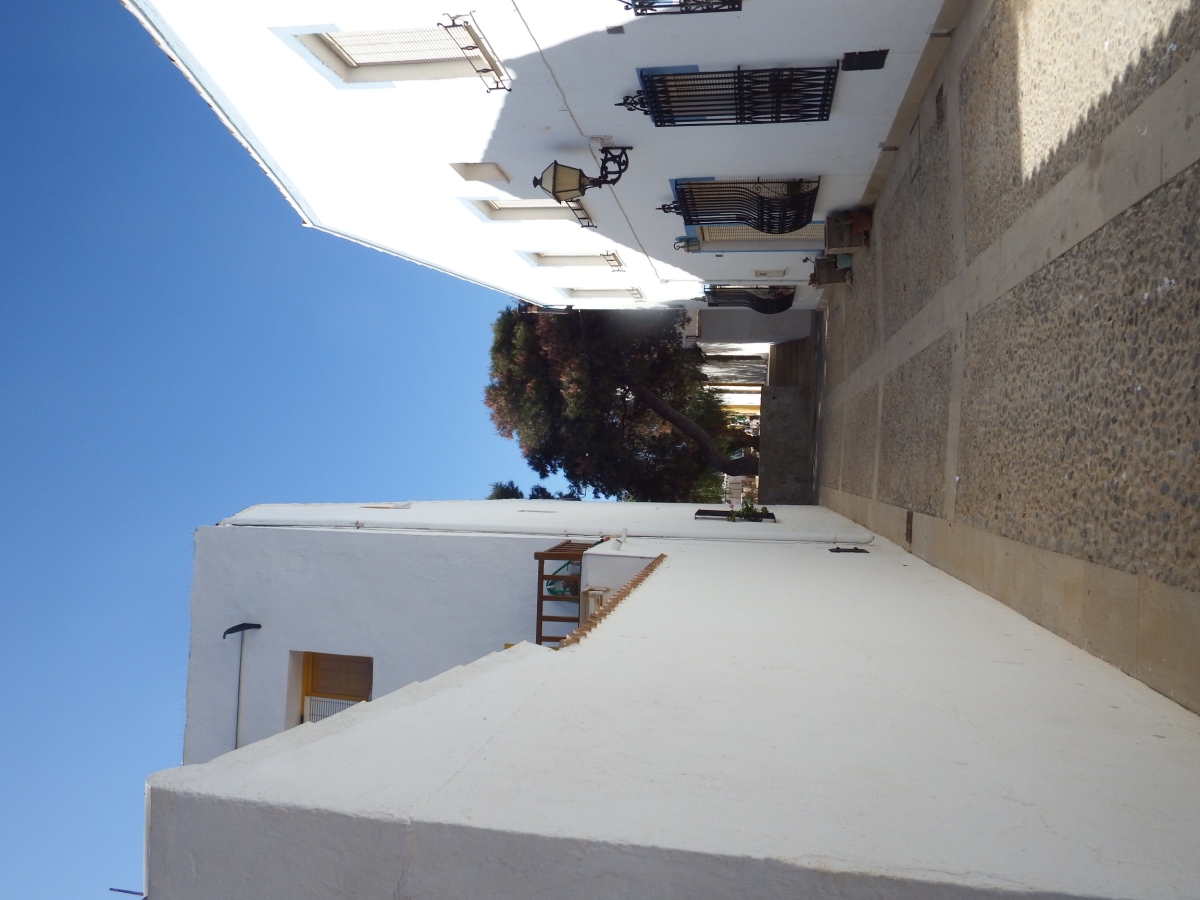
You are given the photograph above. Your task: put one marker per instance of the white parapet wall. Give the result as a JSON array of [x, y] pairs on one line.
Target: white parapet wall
[[417, 587], [758, 719]]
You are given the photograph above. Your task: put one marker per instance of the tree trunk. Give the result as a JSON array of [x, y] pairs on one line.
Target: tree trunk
[[741, 438], [747, 465]]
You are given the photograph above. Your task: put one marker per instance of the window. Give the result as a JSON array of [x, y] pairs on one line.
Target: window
[[457, 50], [605, 294], [609, 259], [863, 61], [735, 97], [669, 7], [396, 47], [524, 210], [770, 207], [483, 171], [332, 683]]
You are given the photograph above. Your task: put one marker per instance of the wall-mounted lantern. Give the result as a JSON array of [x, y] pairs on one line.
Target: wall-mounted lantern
[[566, 183]]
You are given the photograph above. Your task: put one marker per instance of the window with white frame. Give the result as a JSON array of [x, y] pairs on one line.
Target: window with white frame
[[395, 47], [523, 210], [457, 50], [609, 259], [480, 171], [604, 294]]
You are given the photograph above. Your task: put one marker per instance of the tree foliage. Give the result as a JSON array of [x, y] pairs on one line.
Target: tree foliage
[[505, 490], [610, 399]]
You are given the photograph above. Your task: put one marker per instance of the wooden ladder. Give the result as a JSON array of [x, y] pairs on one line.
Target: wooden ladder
[[564, 578]]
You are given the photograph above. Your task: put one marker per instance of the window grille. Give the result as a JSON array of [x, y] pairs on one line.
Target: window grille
[[668, 7], [763, 298], [772, 207], [736, 97], [318, 708]]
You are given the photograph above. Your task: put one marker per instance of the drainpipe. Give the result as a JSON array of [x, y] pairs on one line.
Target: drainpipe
[[240, 631]]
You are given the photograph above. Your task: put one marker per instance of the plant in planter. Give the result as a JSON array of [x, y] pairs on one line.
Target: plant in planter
[[749, 512]]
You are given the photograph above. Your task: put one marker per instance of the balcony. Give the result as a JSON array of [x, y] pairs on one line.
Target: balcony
[[772, 207], [735, 97], [559, 572], [677, 7]]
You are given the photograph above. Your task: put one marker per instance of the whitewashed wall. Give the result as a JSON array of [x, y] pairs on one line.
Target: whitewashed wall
[[418, 604], [372, 161]]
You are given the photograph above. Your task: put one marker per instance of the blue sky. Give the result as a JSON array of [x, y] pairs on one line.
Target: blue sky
[[174, 347]]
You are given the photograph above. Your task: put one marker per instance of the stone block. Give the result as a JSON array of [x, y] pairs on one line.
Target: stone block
[[858, 433], [1168, 647], [912, 454], [1110, 615], [785, 468], [1181, 119], [1131, 158]]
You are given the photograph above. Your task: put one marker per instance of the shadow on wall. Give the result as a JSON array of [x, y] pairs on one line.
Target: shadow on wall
[[535, 120], [1037, 95]]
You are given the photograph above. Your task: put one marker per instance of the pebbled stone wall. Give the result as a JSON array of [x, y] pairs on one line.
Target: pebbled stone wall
[[835, 335], [858, 457], [1081, 418], [916, 225], [829, 447], [1033, 66], [860, 312], [912, 446], [785, 453], [1068, 407]]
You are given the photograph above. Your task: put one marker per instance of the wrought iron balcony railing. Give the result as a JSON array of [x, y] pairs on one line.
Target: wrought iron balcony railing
[[675, 7], [737, 97], [763, 298], [772, 207]]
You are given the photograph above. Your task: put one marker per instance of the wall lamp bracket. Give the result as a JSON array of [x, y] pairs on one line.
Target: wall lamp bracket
[[237, 629]]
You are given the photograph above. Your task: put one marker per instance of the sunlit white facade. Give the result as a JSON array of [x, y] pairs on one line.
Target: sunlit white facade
[[433, 161]]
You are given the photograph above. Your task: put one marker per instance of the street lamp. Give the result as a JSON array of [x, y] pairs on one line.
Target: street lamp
[[565, 183], [240, 631]]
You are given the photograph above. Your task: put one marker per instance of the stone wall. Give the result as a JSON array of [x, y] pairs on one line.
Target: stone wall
[[859, 430], [1081, 419], [914, 226], [1051, 55], [912, 441], [785, 454], [1016, 362]]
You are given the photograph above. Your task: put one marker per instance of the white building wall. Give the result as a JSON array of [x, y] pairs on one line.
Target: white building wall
[[757, 720], [417, 604], [419, 587], [372, 161]]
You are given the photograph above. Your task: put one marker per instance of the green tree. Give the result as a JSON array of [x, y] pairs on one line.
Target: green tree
[[613, 401], [505, 490]]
